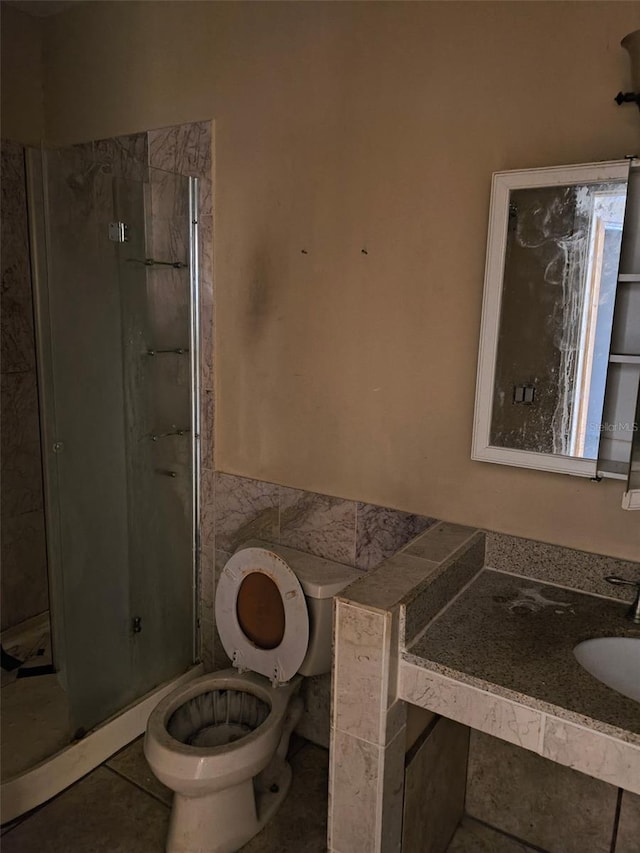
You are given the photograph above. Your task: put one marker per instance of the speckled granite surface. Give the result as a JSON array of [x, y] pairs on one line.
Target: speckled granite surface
[[558, 565], [426, 600], [515, 637]]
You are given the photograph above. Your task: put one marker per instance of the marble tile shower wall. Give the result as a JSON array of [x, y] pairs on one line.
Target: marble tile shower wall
[[23, 551], [186, 150]]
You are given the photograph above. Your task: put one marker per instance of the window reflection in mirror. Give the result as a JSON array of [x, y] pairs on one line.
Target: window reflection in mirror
[[559, 284]]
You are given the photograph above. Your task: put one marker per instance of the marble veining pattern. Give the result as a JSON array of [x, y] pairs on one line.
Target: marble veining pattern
[[440, 541], [23, 550], [79, 190], [220, 658], [205, 197], [207, 511], [353, 793], [470, 705], [207, 419], [207, 316], [169, 196], [381, 532], [360, 667], [125, 156], [390, 582], [244, 509], [596, 754], [183, 148], [207, 579], [318, 524], [555, 564]]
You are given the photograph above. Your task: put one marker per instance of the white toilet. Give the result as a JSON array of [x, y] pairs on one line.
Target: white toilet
[[220, 742]]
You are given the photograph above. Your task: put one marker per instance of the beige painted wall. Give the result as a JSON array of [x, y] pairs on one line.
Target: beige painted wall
[[342, 127], [22, 112]]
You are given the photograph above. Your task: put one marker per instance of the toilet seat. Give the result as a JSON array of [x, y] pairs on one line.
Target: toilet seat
[[281, 662]]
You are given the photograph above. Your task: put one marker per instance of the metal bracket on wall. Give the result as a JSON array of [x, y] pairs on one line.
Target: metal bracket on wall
[[118, 232]]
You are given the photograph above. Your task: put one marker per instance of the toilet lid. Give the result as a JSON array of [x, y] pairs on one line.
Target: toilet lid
[[261, 614]]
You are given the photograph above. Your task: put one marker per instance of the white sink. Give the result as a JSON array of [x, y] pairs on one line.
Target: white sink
[[615, 661]]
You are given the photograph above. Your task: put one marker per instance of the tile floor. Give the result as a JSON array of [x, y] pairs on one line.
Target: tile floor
[[35, 712], [474, 837], [121, 808]]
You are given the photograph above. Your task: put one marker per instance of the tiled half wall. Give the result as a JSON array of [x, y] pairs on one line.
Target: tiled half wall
[[238, 509]]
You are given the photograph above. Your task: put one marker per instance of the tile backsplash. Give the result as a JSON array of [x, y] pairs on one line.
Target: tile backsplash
[[237, 509], [350, 532], [555, 564]]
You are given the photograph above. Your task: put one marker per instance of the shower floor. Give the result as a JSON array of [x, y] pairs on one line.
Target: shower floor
[[35, 712]]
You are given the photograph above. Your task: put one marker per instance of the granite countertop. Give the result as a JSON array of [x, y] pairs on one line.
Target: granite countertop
[[514, 637]]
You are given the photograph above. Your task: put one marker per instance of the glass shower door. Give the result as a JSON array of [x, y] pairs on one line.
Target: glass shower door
[[162, 383], [119, 487]]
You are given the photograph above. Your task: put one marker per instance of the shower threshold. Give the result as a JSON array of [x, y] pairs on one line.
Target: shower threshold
[[30, 788]]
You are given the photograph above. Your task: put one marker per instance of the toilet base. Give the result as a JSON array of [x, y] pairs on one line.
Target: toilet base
[[223, 821]]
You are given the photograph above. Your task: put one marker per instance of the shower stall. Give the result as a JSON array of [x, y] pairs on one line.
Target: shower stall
[[115, 261]]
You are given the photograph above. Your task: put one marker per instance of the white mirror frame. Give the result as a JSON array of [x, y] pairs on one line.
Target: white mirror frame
[[501, 186]]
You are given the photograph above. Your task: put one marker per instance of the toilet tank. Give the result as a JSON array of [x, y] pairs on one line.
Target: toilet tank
[[320, 580]]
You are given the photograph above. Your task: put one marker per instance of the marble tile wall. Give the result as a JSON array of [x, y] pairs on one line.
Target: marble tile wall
[[357, 534], [369, 722], [23, 549], [174, 153]]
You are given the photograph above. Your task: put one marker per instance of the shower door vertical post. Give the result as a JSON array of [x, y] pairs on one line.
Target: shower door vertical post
[[194, 349]]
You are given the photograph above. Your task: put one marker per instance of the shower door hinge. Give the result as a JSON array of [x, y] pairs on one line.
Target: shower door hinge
[[136, 624], [118, 232]]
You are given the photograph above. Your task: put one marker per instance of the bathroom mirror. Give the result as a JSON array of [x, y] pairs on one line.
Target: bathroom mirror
[[551, 274]]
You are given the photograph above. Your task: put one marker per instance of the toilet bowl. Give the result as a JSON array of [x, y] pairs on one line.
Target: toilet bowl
[[220, 742]]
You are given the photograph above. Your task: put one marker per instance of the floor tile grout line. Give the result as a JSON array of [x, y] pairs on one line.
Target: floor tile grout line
[[528, 845], [135, 784]]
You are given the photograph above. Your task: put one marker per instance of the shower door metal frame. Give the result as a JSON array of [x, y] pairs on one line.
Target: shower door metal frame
[[37, 204], [194, 353]]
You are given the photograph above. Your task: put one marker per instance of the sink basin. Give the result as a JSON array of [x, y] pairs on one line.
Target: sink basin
[[615, 661]]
